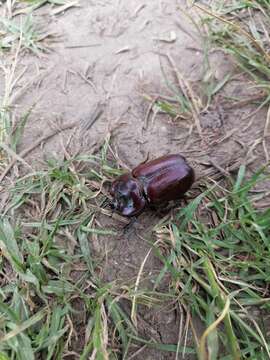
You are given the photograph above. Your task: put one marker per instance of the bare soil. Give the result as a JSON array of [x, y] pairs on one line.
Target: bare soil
[[106, 55]]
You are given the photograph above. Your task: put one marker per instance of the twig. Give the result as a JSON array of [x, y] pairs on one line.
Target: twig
[[136, 12], [26, 151], [87, 124], [134, 299], [216, 173], [237, 28], [146, 120], [224, 172], [81, 46], [225, 137], [189, 94], [137, 352], [266, 133], [244, 102], [65, 7], [14, 155], [89, 82]]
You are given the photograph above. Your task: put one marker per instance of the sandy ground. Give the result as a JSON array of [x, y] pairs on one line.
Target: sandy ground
[[107, 55]]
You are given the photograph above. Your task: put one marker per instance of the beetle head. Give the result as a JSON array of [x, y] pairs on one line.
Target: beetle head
[[127, 193]]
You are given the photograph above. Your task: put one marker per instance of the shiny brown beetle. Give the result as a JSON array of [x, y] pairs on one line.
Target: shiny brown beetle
[[153, 183]]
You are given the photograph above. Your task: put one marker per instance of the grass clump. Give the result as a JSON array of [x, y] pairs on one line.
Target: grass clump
[[238, 28], [18, 24], [23, 32], [241, 29], [53, 301], [45, 229], [217, 252]]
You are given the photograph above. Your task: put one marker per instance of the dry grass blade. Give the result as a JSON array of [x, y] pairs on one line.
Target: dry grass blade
[[134, 298], [10, 83], [15, 156], [216, 247], [266, 134], [65, 7], [217, 171], [189, 94], [22, 327], [202, 348], [238, 29], [39, 141]]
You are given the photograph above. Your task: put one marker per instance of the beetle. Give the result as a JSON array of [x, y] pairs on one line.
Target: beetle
[[152, 183]]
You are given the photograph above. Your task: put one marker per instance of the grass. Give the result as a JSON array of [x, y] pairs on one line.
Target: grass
[[237, 28], [217, 249], [39, 253], [45, 230], [25, 32], [241, 29], [18, 24], [221, 263], [19, 32]]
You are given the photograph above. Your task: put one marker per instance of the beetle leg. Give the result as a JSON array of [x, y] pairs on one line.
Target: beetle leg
[[129, 227]]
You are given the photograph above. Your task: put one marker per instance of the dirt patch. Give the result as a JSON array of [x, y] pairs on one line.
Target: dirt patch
[[107, 54]]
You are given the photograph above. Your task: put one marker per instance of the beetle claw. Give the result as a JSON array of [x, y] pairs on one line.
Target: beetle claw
[[113, 205]]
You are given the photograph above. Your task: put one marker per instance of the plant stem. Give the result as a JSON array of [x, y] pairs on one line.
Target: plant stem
[[217, 294]]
